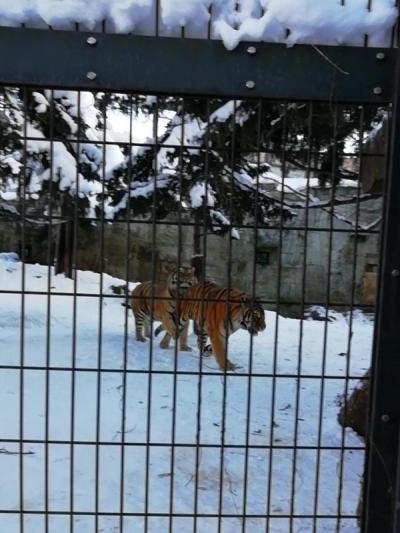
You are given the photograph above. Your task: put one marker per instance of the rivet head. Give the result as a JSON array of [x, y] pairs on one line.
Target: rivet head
[[251, 50], [385, 418], [250, 84], [380, 56], [378, 90], [91, 75], [91, 40], [396, 273]]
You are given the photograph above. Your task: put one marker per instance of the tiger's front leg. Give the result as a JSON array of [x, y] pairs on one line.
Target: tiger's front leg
[[169, 328], [218, 343], [184, 347], [183, 337], [164, 344]]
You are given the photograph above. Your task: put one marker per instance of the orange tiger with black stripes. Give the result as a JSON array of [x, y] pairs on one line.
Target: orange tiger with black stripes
[[217, 313], [164, 305]]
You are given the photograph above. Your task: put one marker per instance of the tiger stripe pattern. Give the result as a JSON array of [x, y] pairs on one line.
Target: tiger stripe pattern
[[217, 313], [163, 308]]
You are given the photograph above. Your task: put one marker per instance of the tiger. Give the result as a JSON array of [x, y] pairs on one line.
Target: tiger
[[217, 313], [164, 305]]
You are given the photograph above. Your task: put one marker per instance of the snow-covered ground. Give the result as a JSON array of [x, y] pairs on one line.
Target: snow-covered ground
[[53, 319]]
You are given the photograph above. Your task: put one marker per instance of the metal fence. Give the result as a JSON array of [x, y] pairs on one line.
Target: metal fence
[[101, 432]]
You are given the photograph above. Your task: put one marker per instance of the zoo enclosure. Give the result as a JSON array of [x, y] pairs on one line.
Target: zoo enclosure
[[370, 83]]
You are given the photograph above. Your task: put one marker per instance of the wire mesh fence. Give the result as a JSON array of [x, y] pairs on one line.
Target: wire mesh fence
[[272, 201]]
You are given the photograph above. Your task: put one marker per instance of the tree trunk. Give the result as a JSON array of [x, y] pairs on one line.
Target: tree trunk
[[198, 256], [65, 243]]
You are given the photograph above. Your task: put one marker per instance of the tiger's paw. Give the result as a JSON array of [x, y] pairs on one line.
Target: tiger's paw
[[207, 350], [185, 349], [141, 339], [230, 366], [164, 346]]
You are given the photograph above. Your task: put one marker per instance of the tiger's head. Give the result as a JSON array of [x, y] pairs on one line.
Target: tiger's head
[[179, 280], [253, 319]]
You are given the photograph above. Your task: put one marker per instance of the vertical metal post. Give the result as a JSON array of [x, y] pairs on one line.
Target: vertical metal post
[[382, 483]]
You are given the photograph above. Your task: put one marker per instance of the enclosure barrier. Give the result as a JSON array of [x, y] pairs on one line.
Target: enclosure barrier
[[230, 451]]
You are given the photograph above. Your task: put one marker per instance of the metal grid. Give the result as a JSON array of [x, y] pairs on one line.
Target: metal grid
[[135, 510]]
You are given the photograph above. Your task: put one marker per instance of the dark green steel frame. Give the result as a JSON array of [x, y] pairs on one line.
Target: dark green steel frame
[[58, 59], [195, 66], [382, 480]]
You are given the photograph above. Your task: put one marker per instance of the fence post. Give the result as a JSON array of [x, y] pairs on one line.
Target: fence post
[[382, 483]]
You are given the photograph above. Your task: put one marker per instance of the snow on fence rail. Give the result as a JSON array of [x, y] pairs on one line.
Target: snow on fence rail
[[333, 22]]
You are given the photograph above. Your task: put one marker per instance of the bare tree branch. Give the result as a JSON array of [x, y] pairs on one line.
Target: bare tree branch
[[337, 201], [342, 174], [321, 53], [329, 207]]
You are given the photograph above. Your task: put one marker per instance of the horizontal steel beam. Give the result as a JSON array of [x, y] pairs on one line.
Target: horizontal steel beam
[[47, 58]]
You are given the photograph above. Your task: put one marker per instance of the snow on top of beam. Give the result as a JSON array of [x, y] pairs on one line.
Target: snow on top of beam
[[286, 21]]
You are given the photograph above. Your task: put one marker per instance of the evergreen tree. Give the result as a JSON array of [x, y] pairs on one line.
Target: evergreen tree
[[205, 158]]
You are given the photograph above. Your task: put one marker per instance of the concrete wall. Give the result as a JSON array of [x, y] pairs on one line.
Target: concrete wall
[[297, 258]]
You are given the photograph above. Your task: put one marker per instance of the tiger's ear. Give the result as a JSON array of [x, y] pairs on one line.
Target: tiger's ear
[[170, 268], [184, 270]]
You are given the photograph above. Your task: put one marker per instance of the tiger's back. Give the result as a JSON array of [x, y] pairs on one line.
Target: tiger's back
[[211, 304], [157, 301], [219, 312], [150, 299]]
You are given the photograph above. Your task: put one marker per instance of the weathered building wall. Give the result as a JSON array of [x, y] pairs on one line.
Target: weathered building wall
[[313, 250]]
